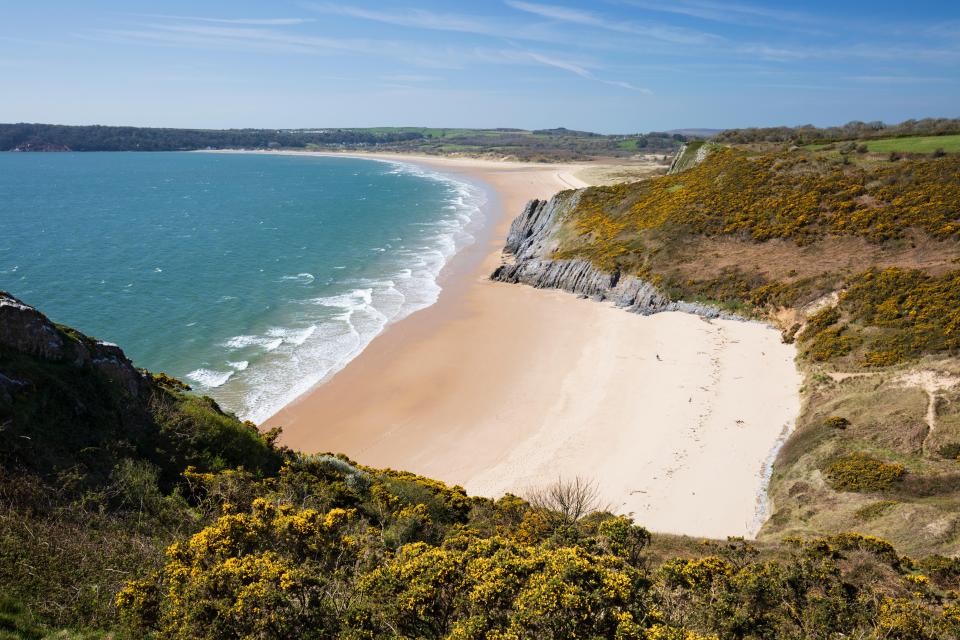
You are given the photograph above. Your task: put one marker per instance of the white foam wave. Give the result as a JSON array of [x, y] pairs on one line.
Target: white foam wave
[[301, 278], [291, 336], [268, 343], [327, 332], [356, 299], [209, 378]]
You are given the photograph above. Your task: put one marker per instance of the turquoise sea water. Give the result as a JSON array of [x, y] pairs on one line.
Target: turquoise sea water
[[252, 277]]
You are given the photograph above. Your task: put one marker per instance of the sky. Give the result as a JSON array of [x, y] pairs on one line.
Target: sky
[[611, 66]]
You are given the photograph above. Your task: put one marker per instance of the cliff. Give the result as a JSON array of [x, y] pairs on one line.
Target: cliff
[[72, 404], [533, 238]]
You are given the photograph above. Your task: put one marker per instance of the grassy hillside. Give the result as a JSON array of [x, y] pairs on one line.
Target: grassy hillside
[[855, 256], [132, 508], [916, 144]]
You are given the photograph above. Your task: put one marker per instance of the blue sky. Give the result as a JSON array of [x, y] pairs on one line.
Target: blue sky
[[604, 65]]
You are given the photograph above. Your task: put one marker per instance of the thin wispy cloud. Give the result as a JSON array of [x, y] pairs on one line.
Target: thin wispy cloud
[[549, 57], [258, 39], [271, 40], [863, 50], [415, 18], [410, 78], [559, 64], [579, 70], [422, 19], [503, 29], [189, 33], [733, 13], [590, 19], [266, 22], [892, 79]]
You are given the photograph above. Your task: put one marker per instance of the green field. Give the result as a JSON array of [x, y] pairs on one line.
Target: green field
[[918, 144], [432, 132], [909, 144]]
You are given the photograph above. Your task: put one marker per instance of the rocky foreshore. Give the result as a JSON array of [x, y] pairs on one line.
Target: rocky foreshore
[[532, 239]]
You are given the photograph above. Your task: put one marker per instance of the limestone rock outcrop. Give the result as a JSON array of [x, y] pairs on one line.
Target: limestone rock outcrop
[[532, 239]]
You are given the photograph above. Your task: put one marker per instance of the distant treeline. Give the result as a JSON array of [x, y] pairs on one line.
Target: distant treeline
[[541, 145], [855, 130], [50, 137]]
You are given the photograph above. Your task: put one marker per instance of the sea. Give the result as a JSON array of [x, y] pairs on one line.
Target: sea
[[252, 277]]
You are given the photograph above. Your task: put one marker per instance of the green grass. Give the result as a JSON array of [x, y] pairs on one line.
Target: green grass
[[909, 144], [433, 132], [918, 144]]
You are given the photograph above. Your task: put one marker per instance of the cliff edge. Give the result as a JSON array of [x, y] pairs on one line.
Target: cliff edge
[[533, 237]]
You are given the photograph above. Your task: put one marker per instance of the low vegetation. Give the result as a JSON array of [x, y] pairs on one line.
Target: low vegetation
[[161, 516], [916, 144], [855, 256], [860, 472], [795, 196], [850, 131], [887, 317]]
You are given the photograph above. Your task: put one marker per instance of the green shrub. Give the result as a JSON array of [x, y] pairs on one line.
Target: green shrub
[[874, 510], [951, 451], [861, 472], [836, 422], [832, 343], [945, 571]]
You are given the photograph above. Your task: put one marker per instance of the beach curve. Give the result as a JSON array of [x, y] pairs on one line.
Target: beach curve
[[502, 388]]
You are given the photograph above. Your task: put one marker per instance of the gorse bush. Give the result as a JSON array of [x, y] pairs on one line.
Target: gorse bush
[[890, 316], [273, 572], [861, 472], [279, 571], [659, 229], [837, 422], [874, 510], [793, 196]]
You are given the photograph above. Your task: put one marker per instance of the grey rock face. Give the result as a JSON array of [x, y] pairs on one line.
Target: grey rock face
[[531, 233], [26, 330], [532, 238]]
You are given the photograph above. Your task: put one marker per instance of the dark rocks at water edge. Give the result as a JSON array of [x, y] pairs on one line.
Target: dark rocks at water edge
[[532, 238]]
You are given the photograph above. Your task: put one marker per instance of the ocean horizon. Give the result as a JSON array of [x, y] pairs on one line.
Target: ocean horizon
[[253, 277]]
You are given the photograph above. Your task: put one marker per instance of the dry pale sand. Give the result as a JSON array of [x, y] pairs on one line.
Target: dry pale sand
[[501, 388]]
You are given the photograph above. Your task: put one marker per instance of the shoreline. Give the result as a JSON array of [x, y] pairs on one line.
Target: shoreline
[[502, 388]]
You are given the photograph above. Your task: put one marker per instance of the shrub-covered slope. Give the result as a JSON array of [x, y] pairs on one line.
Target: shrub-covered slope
[[132, 508], [855, 256]]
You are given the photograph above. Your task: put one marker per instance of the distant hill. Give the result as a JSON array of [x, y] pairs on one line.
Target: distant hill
[[542, 145], [45, 137], [696, 133]]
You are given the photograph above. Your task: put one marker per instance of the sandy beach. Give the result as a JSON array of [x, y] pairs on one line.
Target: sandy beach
[[502, 388]]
